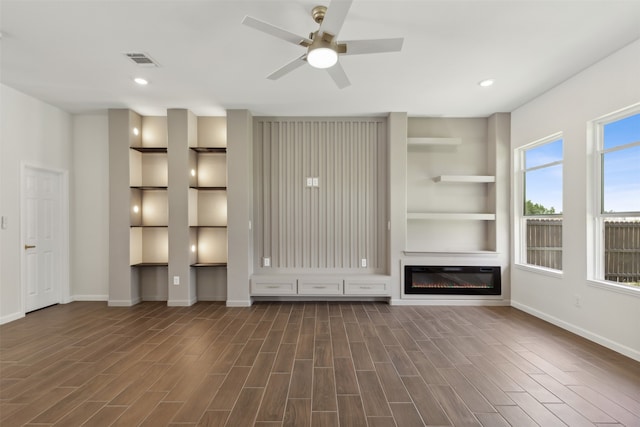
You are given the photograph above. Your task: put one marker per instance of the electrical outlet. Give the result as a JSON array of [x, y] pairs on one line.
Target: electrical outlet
[[266, 262], [309, 181], [578, 302], [176, 280], [363, 262], [5, 222], [315, 181]]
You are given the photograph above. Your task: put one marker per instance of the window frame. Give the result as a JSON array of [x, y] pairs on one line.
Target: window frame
[[520, 202], [597, 270]]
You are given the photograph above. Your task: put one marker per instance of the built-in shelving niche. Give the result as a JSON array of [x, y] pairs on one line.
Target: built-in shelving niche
[[450, 203], [149, 207]]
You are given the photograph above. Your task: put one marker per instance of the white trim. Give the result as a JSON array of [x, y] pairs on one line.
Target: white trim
[[123, 302], [615, 287], [180, 303], [239, 303], [90, 298], [558, 274], [458, 302], [599, 339], [11, 317]]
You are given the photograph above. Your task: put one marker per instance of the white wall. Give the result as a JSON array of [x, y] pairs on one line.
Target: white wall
[[90, 208], [606, 317], [33, 133]]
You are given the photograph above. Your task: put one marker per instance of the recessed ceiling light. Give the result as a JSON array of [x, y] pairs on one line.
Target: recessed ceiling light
[[141, 81], [486, 83]]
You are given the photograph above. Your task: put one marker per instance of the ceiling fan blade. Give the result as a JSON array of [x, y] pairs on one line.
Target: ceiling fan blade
[[336, 14], [287, 68], [339, 76], [359, 47], [272, 30]]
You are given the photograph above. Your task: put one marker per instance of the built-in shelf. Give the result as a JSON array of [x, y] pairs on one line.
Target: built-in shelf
[[148, 187], [213, 264], [419, 142], [209, 149], [209, 188], [424, 253], [465, 178], [452, 216], [150, 149], [150, 264]]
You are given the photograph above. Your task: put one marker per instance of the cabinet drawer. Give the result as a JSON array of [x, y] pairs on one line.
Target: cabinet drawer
[[273, 288], [320, 287], [366, 288]]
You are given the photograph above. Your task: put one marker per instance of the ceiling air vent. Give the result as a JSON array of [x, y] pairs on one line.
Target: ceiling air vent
[[142, 59]]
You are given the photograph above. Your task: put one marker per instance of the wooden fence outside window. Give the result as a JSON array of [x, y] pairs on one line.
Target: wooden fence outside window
[[621, 241]]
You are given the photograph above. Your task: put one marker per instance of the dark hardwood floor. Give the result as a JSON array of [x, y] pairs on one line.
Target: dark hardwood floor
[[307, 364]]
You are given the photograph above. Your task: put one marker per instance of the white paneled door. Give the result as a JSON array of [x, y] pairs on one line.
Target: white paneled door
[[41, 228]]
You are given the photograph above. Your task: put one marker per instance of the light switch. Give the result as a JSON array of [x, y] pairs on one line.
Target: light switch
[[315, 181], [309, 181]]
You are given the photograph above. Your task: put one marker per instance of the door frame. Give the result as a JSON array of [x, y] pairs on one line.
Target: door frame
[[63, 243]]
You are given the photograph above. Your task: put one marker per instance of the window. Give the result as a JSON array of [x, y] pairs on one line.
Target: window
[[541, 203], [617, 216]]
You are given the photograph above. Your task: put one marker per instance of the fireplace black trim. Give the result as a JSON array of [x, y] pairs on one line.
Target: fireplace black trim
[[494, 289]]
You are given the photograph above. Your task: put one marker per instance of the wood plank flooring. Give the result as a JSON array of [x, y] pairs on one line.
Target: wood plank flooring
[[307, 364]]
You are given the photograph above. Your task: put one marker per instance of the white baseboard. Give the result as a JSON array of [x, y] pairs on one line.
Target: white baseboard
[[11, 317], [123, 303], [89, 298], [181, 302], [487, 303], [239, 303], [617, 347]]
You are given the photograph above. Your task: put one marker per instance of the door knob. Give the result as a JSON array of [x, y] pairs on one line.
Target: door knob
[[29, 247]]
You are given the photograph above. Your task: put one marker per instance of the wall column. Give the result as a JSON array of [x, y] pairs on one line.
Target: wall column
[[182, 134], [239, 206], [397, 128], [123, 281]]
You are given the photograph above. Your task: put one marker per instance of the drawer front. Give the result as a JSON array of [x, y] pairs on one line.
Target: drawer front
[[320, 288], [275, 288], [363, 288]]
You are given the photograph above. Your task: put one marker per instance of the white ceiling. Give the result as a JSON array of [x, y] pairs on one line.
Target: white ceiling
[[70, 54]]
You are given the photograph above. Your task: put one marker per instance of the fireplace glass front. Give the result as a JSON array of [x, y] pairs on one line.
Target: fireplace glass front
[[453, 280]]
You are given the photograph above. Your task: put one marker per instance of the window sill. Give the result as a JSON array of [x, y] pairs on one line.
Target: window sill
[[540, 270], [613, 287]]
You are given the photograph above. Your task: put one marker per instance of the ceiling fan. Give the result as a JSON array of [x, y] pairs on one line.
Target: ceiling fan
[[322, 45]]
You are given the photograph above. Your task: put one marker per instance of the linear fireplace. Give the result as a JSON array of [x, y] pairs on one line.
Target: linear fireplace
[[452, 280]]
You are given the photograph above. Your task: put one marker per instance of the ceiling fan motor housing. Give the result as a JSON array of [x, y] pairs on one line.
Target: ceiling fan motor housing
[[318, 13]]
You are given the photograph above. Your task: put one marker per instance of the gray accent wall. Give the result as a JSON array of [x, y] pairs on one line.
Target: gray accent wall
[[330, 227]]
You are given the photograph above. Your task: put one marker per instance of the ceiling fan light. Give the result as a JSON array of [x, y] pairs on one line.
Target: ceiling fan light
[[322, 57]]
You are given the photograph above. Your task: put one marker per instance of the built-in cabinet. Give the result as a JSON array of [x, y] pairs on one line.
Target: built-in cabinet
[[318, 286]]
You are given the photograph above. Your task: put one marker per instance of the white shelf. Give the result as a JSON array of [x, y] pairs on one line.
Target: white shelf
[[465, 178], [419, 142], [452, 216], [424, 253]]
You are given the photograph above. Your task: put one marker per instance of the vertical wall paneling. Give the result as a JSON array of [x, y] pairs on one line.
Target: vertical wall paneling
[[333, 225]]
